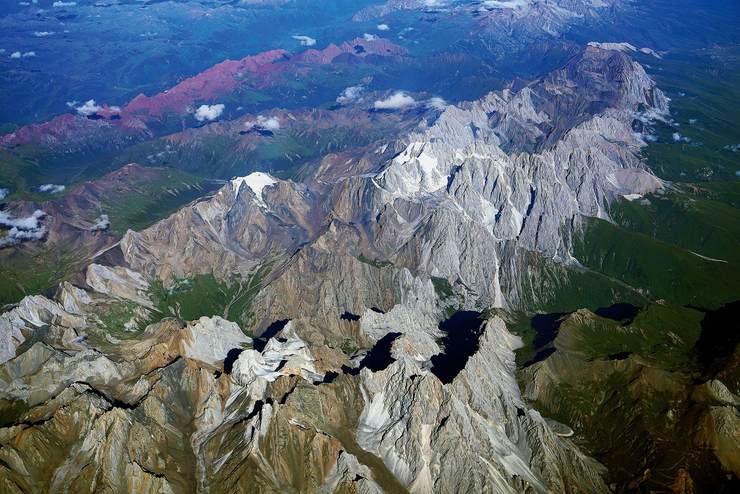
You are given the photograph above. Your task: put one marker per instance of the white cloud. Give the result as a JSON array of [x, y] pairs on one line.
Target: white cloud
[[20, 229], [17, 54], [4, 193], [679, 138], [350, 94], [51, 188], [369, 37], [43, 34], [60, 3], [396, 101], [87, 109], [305, 40], [436, 103], [263, 123], [102, 222], [209, 112], [383, 27]]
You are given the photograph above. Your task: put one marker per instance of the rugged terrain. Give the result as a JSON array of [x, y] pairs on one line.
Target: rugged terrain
[[281, 336], [461, 252]]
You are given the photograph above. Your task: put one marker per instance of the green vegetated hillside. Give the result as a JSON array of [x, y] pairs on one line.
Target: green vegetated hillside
[[704, 87], [204, 295], [151, 201], [133, 203], [186, 299], [638, 394], [33, 273], [681, 245]]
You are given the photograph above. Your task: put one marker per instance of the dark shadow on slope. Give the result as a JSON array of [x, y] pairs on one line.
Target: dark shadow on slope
[[620, 312], [461, 341], [260, 342], [378, 358], [348, 316], [720, 335], [546, 328], [231, 358]]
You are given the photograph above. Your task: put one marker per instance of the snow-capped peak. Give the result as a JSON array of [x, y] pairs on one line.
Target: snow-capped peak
[[256, 181]]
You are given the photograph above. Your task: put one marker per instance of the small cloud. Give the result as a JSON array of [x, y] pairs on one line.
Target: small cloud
[[679, 138], [369, 37], [263, 123], [692, 121], [102, 222], [60, 3], [350, 94], [21, 229], [436, 103], [649, 137], [87, 109], [383, 27], [43, 34], [4, 193], [305, 40], [209, 112], [396, 101], [17, 54], [51, 188]]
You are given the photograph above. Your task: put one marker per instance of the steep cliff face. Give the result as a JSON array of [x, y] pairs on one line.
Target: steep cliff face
[[352, 379]]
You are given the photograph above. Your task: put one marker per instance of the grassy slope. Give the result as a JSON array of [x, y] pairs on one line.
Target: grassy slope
[[663, 270], [703, 85], [691, 218], [149, 202], [203, 295], [131, 208], [29, 275]]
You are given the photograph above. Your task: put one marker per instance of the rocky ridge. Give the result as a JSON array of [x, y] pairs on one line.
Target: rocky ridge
[[342, 395]]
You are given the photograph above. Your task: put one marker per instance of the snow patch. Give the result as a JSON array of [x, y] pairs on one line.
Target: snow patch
[[256, 181]]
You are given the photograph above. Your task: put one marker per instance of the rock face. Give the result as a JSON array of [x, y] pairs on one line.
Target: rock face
[[341, 389], [192, 405]]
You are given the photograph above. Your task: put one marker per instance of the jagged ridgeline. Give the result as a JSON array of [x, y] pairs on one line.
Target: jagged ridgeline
[[354, 331]]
